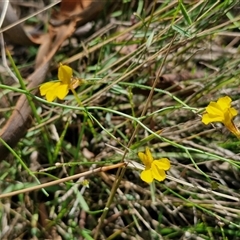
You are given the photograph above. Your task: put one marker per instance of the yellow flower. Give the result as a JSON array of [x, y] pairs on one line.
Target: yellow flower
[[154, 169], [85, 183], [221, 111], [61, 87]]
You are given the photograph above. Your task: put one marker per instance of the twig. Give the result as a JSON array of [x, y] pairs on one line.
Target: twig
[[62, 180]]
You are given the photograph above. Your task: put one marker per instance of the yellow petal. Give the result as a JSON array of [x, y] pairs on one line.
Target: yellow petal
[[233, 112], [62, 91], [162, 163], [144, 159], [224, 102], [49, 89], [146, 176], [214, 109], [231, 127], [157, 173], [45, 87], [205, 118], [208, 118], [149, 155], [50, 96], [228, 118], [64, 74]]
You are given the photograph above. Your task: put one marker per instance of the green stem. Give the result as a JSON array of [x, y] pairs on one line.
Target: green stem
[[22, 163], [31, 103], [85, 113], [137, 120]]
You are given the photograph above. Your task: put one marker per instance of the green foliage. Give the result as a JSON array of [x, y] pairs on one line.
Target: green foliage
[[149, 76]]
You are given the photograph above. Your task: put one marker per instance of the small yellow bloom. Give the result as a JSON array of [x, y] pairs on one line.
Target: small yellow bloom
[[59, 89], [221, 111], [85, 183], [154, 169]]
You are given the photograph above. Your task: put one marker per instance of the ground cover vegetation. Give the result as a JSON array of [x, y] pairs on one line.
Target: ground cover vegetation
[[119, 120]]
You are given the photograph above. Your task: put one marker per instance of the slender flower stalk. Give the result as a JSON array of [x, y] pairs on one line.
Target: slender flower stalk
[[154, 169], [221, 111], [60, 88]]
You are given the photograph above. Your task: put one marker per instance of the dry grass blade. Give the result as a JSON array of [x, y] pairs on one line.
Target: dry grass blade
[[141, 149]]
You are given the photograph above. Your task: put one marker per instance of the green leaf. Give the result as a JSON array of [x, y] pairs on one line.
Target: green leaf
[[150, 39], [82, 201], [184, 13], [181, 31]]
